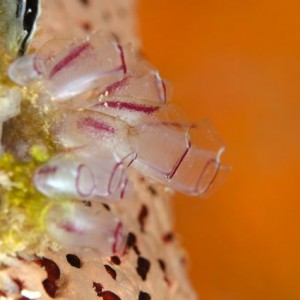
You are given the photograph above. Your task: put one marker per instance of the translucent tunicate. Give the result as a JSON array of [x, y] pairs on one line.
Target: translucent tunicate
[[75, 225]]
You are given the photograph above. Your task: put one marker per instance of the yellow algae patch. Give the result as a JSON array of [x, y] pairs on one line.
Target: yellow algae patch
[[22, 208]]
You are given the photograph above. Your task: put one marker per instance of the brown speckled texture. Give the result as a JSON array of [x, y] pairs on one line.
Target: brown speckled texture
[[152, 265]]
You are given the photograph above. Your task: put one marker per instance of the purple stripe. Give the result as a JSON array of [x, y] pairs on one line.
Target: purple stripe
[[68, 59], [95, 124], [116, 85], [129, 106]]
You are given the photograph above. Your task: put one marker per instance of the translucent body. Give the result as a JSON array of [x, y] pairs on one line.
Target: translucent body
[[99, 176], [75, 225], [111, 115]]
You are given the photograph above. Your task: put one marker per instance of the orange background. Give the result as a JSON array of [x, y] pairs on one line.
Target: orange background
[[238, 63]]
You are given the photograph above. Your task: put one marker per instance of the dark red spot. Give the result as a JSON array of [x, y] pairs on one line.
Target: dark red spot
[[108, 295], [87, 203], [2, 293], [136, 250], [52, 269], [143, 267], [162, 265], [131, 241], [111, 271], [19, 283], [98, 287], [53, 274], [143, 214], [106, 206], [115, 260], [152, 190], [144, 296], [74, 260], [168, 237], [86, 26], [50, 287]]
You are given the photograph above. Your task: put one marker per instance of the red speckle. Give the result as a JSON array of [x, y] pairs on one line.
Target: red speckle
[[111, 271], [168, 237], [98, 287], [143, 214], [108, 295], [143, 267]]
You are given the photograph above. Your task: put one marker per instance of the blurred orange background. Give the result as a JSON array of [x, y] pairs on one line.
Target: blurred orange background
[[238, 63]]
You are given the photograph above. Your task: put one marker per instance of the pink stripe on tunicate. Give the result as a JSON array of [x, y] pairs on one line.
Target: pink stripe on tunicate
[[68, 59], [112, 175], [95, 124], [116, 85], [146, 109], [77, 181], [38, 65], [116, 236], [46, 170], [124, 67], [123, 190], [179, 161], [69, 227]]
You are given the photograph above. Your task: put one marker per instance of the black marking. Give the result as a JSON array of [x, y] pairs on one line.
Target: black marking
[[111, 271], [74, 260], [143, 267], [144, 296], [115, 260]]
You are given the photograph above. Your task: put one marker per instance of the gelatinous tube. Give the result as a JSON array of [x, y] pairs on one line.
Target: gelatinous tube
[[118, 117], [95, 130], [82, 66], [75, 225], [26, 69], [75, 175], [149, 85]]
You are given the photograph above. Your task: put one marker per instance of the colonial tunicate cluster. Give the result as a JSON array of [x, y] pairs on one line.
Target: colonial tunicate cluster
[[112, 115]]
